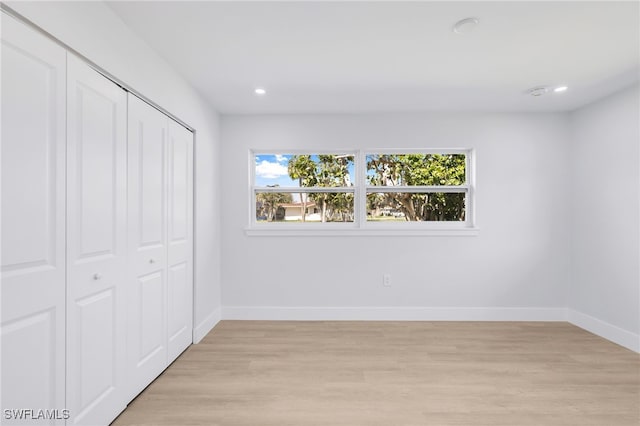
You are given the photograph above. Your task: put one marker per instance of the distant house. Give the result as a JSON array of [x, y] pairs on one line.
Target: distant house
[[293, 212]]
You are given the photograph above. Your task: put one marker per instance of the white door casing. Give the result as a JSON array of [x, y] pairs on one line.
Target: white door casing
[[33, 222], [97, 245], [180, 257], [147, 277]]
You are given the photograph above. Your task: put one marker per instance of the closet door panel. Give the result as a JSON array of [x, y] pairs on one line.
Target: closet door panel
[[96, 254], [32, 329], [147, 293], [179, 306], [180, 260]]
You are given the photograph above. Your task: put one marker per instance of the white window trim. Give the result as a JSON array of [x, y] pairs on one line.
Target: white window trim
[[360, 227]]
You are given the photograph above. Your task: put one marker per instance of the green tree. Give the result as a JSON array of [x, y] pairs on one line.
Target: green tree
[[419, 169], [267, 203], [329, 171], [333, 171], [303, 168]]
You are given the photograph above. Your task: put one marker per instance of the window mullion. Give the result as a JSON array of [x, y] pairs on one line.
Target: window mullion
[[361, 193], [312, 189], [417, 189]]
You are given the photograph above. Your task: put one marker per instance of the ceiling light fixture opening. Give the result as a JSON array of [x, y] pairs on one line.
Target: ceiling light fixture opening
[[560, 89], [259, 91], [465, 26]]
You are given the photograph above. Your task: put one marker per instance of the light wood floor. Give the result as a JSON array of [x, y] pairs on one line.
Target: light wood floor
[[395, 373]]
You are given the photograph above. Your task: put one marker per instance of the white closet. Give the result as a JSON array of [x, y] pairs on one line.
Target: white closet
[[180, 258], [97, 208], [33, 219], [96, 244], [160, 242]]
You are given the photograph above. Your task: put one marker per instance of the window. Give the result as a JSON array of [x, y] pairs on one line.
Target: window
[[359, 191], [417, 187], [307, 188]]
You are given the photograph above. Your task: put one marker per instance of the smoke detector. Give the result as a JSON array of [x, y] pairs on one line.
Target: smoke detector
[[465, 26], [538, 91]]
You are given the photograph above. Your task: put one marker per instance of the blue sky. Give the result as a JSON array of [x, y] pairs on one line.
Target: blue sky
[[271, 169]]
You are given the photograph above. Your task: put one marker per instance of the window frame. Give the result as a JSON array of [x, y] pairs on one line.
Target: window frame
[[360, 225], [254, 189]]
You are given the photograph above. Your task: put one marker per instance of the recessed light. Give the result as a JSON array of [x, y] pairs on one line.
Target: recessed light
[[560, 89], [260, 91], [465, 26], [538, 91]]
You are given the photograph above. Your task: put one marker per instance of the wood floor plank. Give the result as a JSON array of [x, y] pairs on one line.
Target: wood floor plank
[[262, 373]]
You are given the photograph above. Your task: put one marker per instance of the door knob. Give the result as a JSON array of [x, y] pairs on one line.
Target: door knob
[[152, 261], [97, 276]]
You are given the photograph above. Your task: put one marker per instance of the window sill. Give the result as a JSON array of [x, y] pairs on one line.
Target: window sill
[[360, 232]]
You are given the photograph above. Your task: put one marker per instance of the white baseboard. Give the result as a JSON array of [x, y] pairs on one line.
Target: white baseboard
[[206, 325], [275, 313], [282, 313], [603, 329]]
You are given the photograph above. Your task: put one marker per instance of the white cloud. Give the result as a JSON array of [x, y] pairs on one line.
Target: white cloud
[[267, 170], [281, 158]]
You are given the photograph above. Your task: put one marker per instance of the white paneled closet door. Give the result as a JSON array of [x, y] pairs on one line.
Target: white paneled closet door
[[160, 279], [147, 286], [33, 229], [97, 245], [180, 256]]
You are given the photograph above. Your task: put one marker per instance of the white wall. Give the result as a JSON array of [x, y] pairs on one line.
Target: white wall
[[605, 216], [517, 261], [95, 31]]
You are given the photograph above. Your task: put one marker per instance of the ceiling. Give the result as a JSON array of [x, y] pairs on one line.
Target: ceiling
[[354, 57]]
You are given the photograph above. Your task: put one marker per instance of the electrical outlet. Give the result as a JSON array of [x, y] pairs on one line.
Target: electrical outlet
[[386, 280]]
